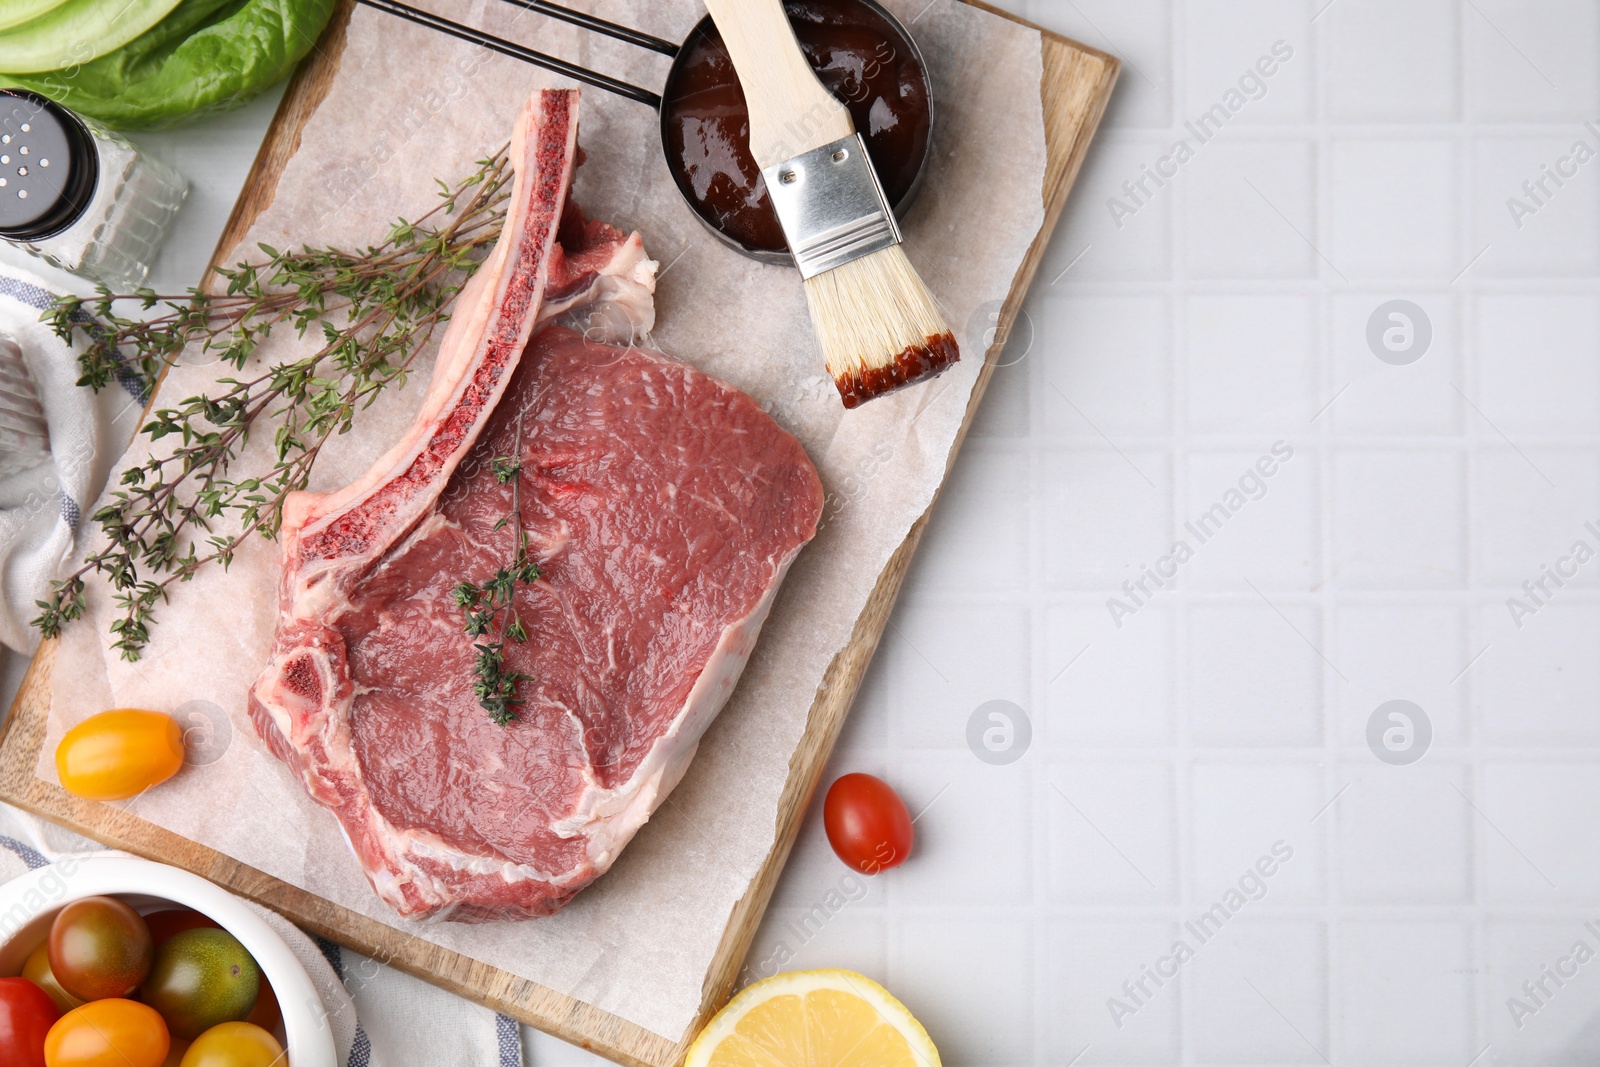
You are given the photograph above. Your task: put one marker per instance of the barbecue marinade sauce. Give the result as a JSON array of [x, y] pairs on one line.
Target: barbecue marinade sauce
[[861, 59]]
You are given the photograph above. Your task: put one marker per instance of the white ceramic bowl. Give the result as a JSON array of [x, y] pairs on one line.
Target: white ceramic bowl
[[29, 904]]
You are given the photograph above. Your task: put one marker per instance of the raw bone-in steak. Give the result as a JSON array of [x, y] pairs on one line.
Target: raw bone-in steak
[[663, 506]]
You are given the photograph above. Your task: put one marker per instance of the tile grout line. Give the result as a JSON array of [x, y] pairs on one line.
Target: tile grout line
[[1463, 308], [1044, 740], [1330, 935], [1181, 776]]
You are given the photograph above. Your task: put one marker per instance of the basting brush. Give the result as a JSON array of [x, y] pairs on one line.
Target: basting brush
[[876, 322]]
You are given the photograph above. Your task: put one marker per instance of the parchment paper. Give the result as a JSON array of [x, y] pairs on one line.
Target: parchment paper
[[410, 106]]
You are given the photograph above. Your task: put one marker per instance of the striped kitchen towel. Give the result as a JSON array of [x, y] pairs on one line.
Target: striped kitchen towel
[[41, 508]]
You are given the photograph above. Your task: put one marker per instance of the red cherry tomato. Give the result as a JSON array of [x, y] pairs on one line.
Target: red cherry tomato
[[163, 924], [266, 1014], [867, 822], [26, 1015]]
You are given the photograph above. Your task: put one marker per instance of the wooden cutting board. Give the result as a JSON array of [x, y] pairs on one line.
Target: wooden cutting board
[[1076, 83]]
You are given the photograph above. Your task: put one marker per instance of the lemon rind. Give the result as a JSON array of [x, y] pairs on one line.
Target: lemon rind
[[897, 1014]]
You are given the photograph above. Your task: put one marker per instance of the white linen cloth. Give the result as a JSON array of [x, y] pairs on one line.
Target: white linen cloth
[[41, 508]]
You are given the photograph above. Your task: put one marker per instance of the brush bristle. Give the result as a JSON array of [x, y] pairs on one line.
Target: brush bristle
[[878, 325]]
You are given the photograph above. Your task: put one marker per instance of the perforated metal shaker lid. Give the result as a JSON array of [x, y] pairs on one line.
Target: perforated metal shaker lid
[[48, 166]]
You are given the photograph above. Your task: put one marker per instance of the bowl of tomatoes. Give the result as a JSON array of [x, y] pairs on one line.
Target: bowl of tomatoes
[[110, 961]]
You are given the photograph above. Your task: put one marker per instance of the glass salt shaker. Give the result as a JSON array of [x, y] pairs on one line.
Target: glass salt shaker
[[79, 196]]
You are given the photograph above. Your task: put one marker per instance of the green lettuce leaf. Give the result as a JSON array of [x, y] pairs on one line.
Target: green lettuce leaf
[[19, 11], [207, 56], [76, 32]]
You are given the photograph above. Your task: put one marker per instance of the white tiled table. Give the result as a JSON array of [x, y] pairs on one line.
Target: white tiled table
[[1159, 360]]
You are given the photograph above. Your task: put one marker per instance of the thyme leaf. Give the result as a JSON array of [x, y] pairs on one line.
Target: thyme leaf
[[187, 507], [495, 599]]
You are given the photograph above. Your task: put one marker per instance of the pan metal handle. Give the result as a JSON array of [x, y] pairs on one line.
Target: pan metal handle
[[517, 51], [597, 25]]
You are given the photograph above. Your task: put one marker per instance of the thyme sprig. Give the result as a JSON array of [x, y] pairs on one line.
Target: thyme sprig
[[496, 687], [375, 308]]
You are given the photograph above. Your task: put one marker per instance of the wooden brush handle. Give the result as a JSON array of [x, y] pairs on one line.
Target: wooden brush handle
[[790, 111]]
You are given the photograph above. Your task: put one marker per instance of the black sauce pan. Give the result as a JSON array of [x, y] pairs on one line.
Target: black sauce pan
[[644, 96]]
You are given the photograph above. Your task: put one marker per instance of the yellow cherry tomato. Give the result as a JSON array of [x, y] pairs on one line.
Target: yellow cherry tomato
[[108, 1033], [118, 754], [234, 1045], [37, 970]]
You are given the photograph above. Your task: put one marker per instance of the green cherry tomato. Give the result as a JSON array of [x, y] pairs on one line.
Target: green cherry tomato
[[26, 1015], [200, 979], [234, 1045], [99, 948]]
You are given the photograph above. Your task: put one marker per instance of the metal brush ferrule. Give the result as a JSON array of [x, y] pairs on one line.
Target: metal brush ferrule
[[831, 206]]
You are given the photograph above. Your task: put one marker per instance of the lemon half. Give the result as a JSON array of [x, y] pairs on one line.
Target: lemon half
[[827, 1018]]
